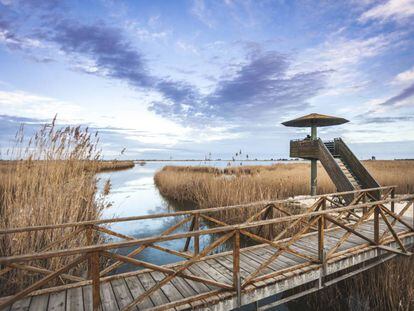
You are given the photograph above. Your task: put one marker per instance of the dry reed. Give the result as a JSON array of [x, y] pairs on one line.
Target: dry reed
[[49, 180], [210, 186], [386, 287]]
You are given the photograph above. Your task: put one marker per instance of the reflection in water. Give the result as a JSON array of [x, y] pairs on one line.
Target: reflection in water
[[133, 193]]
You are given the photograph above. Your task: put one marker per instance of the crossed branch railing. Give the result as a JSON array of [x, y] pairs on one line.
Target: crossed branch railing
[[327, 213]]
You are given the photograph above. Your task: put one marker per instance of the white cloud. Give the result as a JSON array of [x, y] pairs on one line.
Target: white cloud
[[345, 58], [143, 33], [200, 10], [397, 10], [187, 47], [404, 77], [19, 103]]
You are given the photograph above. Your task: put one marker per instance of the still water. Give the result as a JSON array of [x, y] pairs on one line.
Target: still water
[[134, 193]]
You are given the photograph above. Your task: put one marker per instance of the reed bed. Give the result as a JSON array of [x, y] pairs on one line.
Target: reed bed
[[385, 287], [95, 166], [207, 187], [210, 186], [50, 180]]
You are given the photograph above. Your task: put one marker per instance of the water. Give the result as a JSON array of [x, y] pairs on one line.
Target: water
[[134, 193]]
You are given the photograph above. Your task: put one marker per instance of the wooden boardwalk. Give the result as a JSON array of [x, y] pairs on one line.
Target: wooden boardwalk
[[316, 253]]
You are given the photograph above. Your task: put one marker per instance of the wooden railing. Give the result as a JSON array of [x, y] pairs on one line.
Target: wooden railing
[[328, 212]]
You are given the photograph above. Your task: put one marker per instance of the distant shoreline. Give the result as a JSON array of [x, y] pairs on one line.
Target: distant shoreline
[[219, 160], [249, 160]]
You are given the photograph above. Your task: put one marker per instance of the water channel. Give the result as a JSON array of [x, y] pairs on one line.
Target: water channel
[[134, 193]]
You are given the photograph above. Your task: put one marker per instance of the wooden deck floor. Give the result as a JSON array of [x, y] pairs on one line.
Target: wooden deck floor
[[118, 293]]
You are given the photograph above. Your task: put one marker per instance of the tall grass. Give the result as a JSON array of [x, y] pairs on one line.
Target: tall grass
[[50, 179], [210, 186], [385, 287]]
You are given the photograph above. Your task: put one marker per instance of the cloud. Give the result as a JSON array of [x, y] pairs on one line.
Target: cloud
[[186, 47], [384, 120], [112, 54], [347, 56], [26, 104], [256, 90], [402, 96], [200, 10], [395, 10], [259, 88], [404, 77]]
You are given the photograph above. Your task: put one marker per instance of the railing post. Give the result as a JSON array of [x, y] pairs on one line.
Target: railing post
[[94, 266], [196, 237], [321, 244], [412, 208], [376, 224], [321, 233], [271, 226], [322, 270], [236, 266], [392, 197], [364, 200], [89, 241]]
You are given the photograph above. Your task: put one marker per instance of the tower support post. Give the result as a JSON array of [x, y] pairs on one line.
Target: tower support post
[[314, 164], [314, 176]]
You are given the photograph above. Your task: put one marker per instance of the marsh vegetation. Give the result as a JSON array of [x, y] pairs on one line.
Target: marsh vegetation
[[210, 186], [49, 178]]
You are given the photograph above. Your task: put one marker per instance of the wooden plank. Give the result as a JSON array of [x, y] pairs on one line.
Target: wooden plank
[[228, 263], [136, 289], [279, 263], [253, 259], [302, 246], [57, 301], [39, 303], [170, 291], [122, 294], [186, 290], [42, 282], [6, 308], [158, 296], [108, 300], [209, 270], [74, 299], [87, 298], [250, 259], [201, 287], [21, 305]]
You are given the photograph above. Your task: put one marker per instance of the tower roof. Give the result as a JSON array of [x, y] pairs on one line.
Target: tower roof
[[315, 119]]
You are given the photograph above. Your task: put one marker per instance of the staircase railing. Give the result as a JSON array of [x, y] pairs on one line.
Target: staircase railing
[[334, 171], [355, 166]]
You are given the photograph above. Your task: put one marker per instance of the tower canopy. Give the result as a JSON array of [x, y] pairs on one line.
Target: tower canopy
[[315, 119]]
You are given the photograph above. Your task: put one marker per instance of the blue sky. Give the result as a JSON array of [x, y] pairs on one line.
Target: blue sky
[[183, 79]]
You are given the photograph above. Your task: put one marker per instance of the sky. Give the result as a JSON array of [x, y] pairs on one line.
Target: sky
[[185, 79]]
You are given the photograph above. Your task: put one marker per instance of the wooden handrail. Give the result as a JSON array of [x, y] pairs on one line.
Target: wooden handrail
[[314, 218], [180, 213], [223, 229]]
